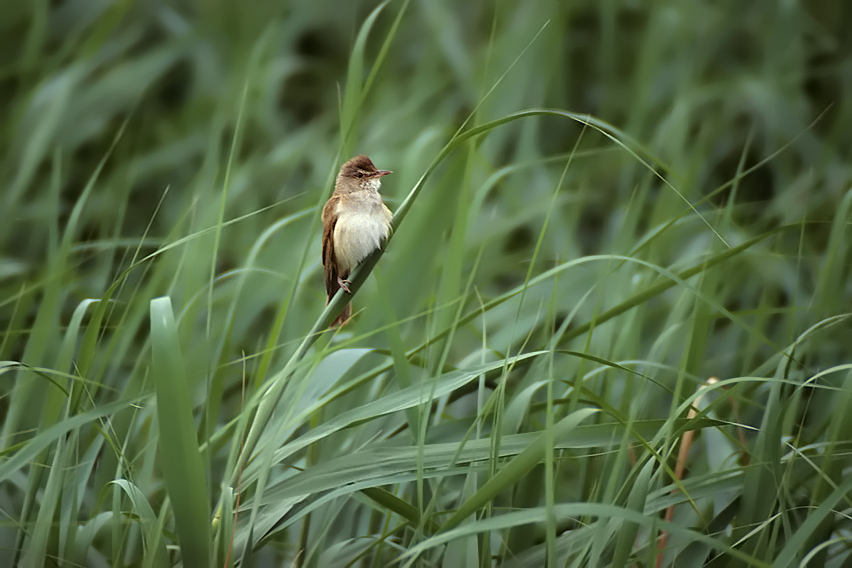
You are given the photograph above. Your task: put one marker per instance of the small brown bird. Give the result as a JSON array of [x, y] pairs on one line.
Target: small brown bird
[[355, 222]]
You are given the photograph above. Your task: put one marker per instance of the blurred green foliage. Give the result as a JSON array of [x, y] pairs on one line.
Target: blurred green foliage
[[518, 378]]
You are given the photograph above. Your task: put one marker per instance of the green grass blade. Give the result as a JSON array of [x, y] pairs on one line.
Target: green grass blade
[[515, 469], [183, 470]]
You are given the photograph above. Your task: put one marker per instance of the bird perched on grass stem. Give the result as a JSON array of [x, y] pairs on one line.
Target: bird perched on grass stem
[[355, 222]]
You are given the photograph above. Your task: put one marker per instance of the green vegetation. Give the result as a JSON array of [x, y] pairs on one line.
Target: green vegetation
[[621, 237]]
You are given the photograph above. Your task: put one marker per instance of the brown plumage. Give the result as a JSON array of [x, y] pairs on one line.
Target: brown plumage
[[355, 222]]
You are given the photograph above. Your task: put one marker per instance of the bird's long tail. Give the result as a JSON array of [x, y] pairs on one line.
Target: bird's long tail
[[343, 317], [331, 288]]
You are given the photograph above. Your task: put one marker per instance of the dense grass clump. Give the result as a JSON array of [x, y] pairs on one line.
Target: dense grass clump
[[611, 327]]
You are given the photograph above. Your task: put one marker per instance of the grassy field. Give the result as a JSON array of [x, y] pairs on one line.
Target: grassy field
[[611, 327]]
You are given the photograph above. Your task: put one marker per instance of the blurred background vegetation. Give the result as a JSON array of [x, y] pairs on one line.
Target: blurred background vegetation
[[528, 358]]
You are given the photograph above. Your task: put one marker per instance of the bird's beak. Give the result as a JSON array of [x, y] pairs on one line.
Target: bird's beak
[[381, 173]]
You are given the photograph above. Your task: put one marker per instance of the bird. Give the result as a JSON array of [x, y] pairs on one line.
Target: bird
[[355, 223]]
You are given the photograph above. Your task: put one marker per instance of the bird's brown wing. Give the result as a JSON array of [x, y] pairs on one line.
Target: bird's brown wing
[[329, 220]]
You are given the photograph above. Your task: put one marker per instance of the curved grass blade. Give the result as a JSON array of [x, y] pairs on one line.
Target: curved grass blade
[[148, 521], [573, 511], [183, 470], [519, 466]]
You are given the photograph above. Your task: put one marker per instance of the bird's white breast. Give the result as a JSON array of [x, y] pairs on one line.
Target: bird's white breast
[[362, 224]]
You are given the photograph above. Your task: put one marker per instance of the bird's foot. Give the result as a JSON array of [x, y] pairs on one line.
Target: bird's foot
[[344, 285]]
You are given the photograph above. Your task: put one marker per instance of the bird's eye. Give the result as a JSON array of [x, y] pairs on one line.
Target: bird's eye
[[360, 174]]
